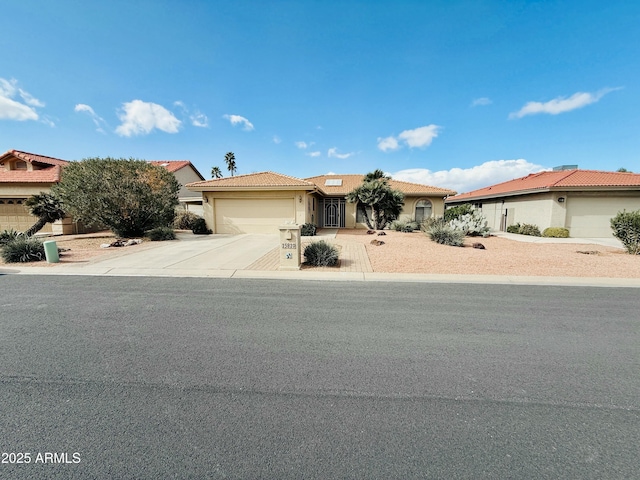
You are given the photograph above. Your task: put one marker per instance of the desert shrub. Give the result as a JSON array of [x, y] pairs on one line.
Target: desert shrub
[[626, 228], [9, 235], [184, 220], [513, 228], [456, 212], [529, 229], [407, 226], [556, 232], [321, 254], [23, 249], [446, 235], [427, 223], [199, 227], [308, 230], [473, 224], [160, 234]]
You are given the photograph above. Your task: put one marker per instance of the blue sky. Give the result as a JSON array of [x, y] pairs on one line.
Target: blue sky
[[456, 94]]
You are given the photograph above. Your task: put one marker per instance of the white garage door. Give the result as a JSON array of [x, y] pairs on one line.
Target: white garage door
[[252, 215], [14, 215], [591, 217]]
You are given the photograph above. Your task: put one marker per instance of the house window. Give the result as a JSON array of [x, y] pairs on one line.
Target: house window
[[423, 210], [20, 165], [360, 215]]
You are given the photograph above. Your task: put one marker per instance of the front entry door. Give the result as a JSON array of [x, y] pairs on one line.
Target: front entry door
[[334, 212]]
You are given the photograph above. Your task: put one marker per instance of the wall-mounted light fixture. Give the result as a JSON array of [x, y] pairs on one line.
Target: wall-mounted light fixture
[[560, 199]]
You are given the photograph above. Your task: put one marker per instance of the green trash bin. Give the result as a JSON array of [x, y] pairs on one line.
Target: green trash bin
[[51, 251]]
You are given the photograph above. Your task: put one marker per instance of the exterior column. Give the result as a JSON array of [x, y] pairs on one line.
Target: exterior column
[[290, 255]]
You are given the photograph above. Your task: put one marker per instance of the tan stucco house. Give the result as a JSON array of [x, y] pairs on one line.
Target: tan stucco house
[[260, 202], [583, 201], [23, 174]]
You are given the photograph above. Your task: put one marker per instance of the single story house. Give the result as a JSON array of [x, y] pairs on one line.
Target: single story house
[[23, 174], [260, 202], [583, 201]]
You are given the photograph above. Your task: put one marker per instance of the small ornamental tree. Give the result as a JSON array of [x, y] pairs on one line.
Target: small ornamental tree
[[384, 202], [127, 196], [47, 207]]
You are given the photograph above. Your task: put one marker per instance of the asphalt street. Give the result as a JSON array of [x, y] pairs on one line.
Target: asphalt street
[[136, 377]]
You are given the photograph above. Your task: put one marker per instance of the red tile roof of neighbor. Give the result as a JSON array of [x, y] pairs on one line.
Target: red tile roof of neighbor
[[171, 165], [48, 170], [555, 180], [32, 158]]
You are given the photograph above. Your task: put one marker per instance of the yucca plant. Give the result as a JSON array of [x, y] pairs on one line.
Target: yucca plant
[[446, 235], [23, 249]]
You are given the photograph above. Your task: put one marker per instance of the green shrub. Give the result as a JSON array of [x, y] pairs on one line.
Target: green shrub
[[456, 212], [184, 220], [23, 249], [406, 226], [513, 228], [160, 234], [308, 230], [626, 228], [446, 235], [199, 227], [321, 254], [528, 229], [556, 232], [9, 235]]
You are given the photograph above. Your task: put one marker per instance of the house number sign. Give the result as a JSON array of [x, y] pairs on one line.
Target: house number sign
[[288, 246]]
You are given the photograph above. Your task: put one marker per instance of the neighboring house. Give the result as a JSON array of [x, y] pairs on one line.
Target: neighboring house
[[583, 201], [185, 173], [22, 175], [260, 202]]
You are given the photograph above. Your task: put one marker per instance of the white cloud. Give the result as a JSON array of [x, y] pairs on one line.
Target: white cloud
[[236, 119], [199, 120], [481, 102], [419, 137], [561, 104], [140, 117], [97, 120], [313, 154], [467, 179], [12, 109], [388, 143], [333, 153], [301, 145], [277, 139]]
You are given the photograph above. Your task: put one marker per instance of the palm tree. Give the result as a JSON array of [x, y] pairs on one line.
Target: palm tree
[[384, 203], [230, 160], [47, 207], [216, 173]]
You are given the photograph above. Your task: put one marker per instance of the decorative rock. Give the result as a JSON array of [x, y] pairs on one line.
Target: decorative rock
[[478, 245], [377, 242], [370, 232], [381, 233]]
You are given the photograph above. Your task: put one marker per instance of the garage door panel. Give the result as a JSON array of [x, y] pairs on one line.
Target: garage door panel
[[252, 215], [591, 217], [14, 215]]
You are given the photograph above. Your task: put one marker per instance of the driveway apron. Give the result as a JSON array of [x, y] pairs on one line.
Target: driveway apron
[[210, 252]]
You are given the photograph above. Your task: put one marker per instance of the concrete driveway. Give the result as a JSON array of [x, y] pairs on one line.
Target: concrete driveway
[[192, 253]]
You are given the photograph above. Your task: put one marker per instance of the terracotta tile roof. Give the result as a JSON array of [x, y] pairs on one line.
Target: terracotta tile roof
[[563, 179], [44, 175], [351, 181], [32, 158], [264, 180], [171, 165]]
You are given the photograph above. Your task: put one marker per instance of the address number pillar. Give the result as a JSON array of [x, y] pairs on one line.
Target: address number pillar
[[290, 254]]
